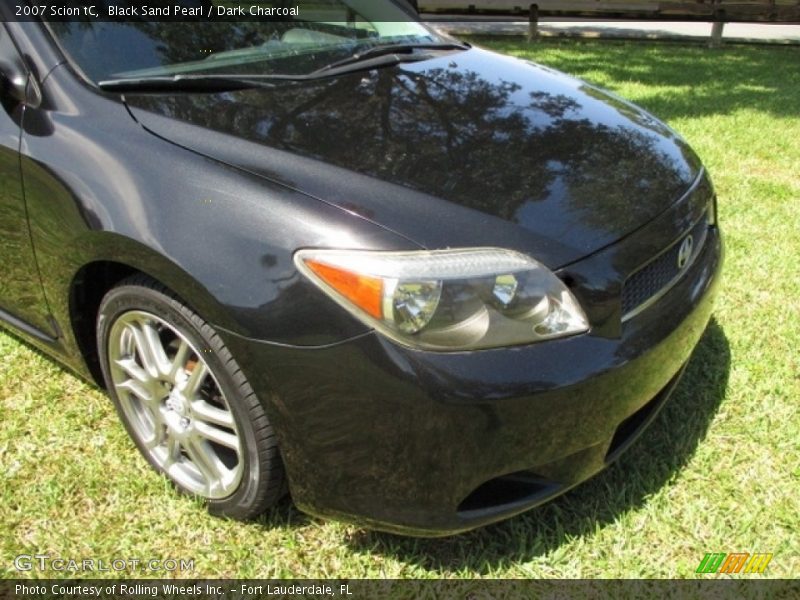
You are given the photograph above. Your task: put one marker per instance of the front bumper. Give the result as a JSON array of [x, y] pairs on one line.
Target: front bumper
[[433, 443]]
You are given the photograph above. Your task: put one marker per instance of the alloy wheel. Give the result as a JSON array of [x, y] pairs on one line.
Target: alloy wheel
[[174, 405]]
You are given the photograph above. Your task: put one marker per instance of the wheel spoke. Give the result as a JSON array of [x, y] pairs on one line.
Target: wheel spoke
[[192, 385], [159, 435], [216, 435], [133, 370], [179, 361], [205, 460], [137, 389], [155, 347], [204, 411], [173, 451], [143, 345]]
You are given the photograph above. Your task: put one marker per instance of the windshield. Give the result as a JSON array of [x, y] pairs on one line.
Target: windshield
[[323, 32]]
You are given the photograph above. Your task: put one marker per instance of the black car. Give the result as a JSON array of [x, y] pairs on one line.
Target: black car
[[419, 285]]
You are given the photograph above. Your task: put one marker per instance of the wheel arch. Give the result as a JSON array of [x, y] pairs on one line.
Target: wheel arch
[[106, 269]]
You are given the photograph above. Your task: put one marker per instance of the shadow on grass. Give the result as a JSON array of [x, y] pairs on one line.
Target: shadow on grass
[[703, 82], [284, 515], [662, 451]]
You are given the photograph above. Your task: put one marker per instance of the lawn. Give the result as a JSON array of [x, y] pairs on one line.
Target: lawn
[[719, 471]]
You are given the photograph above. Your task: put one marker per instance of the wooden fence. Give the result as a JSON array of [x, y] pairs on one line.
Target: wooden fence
[[699, 10]]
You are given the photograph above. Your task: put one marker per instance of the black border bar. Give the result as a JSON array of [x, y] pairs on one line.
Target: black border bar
[[369, 589]]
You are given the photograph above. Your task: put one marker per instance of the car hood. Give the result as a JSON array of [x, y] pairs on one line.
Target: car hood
[[466, 149]]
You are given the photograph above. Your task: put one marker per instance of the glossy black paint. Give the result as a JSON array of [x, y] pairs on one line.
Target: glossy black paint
[[212, 194], [483, 148], [20, 290]]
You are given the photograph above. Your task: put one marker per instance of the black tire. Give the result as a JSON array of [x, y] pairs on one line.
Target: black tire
[[260, 480]]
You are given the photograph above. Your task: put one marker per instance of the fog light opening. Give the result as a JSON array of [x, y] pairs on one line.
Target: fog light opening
[[521, 487]]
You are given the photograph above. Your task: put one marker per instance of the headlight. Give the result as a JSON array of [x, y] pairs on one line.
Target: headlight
[[448, 299]]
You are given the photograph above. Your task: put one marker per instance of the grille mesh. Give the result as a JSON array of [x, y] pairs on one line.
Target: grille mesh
[[659, 273]]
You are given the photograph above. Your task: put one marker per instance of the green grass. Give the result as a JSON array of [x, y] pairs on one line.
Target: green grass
[[718, 471]]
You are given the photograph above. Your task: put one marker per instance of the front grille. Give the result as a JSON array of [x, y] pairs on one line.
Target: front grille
[[661, 273]]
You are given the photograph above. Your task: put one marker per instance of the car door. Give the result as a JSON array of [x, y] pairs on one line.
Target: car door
[[21, 296]]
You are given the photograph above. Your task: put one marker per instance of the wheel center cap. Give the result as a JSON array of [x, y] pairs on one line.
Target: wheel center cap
[[178, 404]]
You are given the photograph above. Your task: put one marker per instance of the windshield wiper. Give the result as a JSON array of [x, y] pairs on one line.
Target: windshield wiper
[[397, 52], [195, 83], [375, 57]]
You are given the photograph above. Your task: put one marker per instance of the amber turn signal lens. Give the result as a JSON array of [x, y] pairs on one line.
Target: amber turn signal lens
[[365, 292]]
